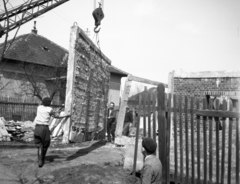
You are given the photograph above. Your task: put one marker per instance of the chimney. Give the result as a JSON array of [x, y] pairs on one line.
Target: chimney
[[34, 30]]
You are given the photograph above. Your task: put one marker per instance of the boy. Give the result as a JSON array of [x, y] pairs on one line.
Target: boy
[[42, 132], [152, 168]]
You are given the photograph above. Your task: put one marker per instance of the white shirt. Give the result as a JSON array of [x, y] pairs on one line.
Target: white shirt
[[43, 115], [147, 157]]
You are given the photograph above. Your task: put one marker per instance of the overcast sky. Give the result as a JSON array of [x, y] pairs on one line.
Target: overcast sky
[[150, 38]]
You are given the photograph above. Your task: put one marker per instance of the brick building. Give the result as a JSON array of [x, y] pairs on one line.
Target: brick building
[[200, 84]]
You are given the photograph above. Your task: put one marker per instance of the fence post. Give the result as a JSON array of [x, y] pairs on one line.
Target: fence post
[[162, 134], [137, 137]]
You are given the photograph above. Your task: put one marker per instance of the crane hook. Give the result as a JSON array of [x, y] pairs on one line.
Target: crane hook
[[98, 15], [95, 29]]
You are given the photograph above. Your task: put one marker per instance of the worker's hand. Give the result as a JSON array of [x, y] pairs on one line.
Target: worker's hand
[[65, 115]]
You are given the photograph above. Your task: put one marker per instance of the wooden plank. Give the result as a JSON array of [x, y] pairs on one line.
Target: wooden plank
[[205, 144], [181, 138], [224, 107], [122, 110], [217, 121], [192, 141], [237, 146], [146, 81], [144, 112], [154, 116], [175, 140], [105, 100], [136, 139], [149, 114], [70, 84], [210, 124], [198, 146], [162, 131], [230, 146], [186, 139], [213, 113], [169, 124]]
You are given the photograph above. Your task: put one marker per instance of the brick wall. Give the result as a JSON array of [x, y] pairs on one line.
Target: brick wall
[[199, 84], [89, 74]]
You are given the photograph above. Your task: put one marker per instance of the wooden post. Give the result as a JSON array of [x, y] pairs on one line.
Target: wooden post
[[70, 83], [137, 136], [162, 128], [122, 110], [171, 91]]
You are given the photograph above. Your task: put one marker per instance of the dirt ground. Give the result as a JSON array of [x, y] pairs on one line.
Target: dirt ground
[[89, 162]]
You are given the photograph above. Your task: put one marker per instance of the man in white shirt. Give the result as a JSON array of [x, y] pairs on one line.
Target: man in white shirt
[[42, 132]]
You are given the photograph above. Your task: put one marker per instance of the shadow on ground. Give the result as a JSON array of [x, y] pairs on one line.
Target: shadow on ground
[[84, 151]]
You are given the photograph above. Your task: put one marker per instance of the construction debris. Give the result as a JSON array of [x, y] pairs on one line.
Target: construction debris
[[4, 135], [16, 131], [24, 130]]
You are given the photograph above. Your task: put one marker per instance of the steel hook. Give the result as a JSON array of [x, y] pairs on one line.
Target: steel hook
[[95, 29]]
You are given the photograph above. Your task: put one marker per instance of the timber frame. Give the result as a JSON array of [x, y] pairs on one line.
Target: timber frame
[[124, 101]]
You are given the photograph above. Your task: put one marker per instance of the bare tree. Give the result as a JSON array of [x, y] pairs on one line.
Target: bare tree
[[40, 80], [6, 78], [136, 88], [6, 45]]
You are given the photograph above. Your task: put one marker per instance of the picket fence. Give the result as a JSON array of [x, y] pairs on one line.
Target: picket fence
[[196, 143]]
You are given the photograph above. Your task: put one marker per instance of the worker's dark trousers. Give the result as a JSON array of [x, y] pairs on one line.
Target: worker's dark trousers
[[126, 128], [111, 126], [42, 141]]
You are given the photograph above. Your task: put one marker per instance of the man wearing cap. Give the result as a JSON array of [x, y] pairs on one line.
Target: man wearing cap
[[128, 120], [152, 168]]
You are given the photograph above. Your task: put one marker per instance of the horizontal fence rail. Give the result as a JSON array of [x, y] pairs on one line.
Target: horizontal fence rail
[[205, 141]]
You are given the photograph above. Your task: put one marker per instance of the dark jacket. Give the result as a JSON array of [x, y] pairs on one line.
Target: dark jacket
[[152, 171], [111, 115], [128, 117]]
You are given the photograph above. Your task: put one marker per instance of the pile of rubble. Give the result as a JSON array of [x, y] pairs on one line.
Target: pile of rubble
[[20, 131]]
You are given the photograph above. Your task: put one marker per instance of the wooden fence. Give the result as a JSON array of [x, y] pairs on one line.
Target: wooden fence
[[19, 110], [192, 146]]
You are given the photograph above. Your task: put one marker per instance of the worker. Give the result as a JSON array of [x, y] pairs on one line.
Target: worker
[[128, 120], [111, 123], [152, 168], [42, 132]]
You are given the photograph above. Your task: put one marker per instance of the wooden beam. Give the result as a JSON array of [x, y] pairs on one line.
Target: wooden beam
[[122, 110], [143, 80], [70, 83], [223, 114]]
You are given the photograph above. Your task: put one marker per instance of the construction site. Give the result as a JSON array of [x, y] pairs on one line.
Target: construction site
[[193, 117]]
